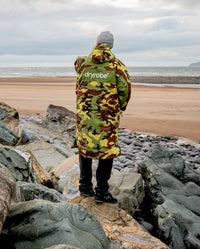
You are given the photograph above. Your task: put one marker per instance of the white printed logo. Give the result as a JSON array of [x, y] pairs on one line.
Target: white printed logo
[[96, 75]]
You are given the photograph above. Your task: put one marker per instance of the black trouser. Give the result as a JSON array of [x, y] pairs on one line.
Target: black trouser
[[103, 174]]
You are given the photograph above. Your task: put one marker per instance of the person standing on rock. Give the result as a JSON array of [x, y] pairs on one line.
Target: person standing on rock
[[103, 89]]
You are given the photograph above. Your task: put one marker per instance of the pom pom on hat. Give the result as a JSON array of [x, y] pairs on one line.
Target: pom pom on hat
[[105, 37]]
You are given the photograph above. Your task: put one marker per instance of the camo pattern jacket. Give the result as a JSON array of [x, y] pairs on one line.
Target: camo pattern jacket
[[103, 89]]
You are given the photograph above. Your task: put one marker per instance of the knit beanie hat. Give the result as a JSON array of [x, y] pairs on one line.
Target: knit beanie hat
[[105, 37]]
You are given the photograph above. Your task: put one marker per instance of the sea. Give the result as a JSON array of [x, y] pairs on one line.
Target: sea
[[59, 71]]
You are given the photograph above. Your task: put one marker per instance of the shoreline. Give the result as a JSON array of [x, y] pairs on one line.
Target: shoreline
[[166, 79], [134, 79], [155, 110]]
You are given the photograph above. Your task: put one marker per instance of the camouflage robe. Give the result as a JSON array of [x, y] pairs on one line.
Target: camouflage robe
[[103, 89]]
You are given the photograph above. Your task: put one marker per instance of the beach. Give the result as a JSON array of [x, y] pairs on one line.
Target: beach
[[163, 110]]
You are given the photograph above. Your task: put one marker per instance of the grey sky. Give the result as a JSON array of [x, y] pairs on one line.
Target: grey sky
[[147, 32]]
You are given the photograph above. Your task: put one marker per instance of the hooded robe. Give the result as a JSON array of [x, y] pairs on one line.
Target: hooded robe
[[103, 89]]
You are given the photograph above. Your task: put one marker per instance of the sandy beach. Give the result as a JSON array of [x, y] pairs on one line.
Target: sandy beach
[[157, 110]]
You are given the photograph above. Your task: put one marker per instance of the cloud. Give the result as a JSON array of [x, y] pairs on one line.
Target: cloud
[[172, 4], [64, 27]]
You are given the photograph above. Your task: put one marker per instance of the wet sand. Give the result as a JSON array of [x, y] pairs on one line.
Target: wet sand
[[157, 110]]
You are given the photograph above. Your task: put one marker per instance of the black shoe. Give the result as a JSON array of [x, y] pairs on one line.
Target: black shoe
[[87, 193], [105, 198]]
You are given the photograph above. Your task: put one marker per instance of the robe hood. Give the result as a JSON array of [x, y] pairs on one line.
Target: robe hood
[[101, 53]]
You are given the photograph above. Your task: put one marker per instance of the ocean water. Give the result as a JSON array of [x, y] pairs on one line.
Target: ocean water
[[37, 71], [69, 71]]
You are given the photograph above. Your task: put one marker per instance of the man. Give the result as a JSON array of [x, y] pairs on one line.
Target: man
[[103, 89]]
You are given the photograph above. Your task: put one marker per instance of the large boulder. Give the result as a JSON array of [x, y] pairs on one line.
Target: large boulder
[[18, 164], [33, 191], [121, 229], [128, 188], [45, 154], [59, 118], [173, 192], [41, 175], [40, 224], [33, 130], [7, 137], [7, 188], [9, 116], [65, 177]]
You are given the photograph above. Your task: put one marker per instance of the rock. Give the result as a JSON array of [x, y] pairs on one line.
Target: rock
[[170, 137], [45, 154], [41, 224], [3, 114], [121, 229], [33, 130], [33, 191], [18, 164], [62, 247], [65, 177], [126, 186], [7, 137], [41, 175], [145, 225], [126, 140], [60, 119], [9, 116], [128, 189], [7, 188], [173, 193]]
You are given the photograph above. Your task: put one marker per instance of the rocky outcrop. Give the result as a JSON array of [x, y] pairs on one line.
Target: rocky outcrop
[[7, 188], [42, 224], [9, 116], [65, 177], [60, 119], [18, 164], [45, 154], [9, 120], [128, 188], [32, 130], [121, 229], [7, 137], [171, 188], [41, 175], [34, 191], [173, 192]]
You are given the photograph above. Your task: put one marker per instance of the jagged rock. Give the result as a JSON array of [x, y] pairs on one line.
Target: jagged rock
[[34, 130], [9, 116], [41, 175], [41, 224], [3, 114], [173, 192], [18, 164], [33, 191], [45, 153], [7, 137], [62, 247], [7, 188], [120, 228], [65, 177], [128, 188], [59, 118]]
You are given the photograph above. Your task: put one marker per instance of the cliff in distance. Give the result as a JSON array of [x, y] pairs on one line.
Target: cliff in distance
[[196, 64]]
